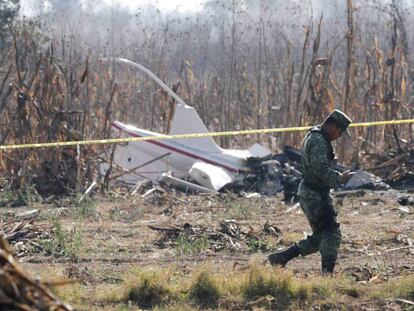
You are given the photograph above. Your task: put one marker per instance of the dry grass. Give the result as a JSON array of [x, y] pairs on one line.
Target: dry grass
[[148, 288], [254, 286], [290, 237], [258, 285], [260, 282], [113, 248], [75, 294], [240, 209], [399, 288], [205, 290]]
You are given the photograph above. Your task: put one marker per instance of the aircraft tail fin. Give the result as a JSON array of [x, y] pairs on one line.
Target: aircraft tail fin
[[187, 121]]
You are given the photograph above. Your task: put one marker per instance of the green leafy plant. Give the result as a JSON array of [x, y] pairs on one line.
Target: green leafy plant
[[187, 244], [63, 243]]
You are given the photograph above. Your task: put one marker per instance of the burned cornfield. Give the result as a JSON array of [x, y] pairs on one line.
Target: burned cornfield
[[76, 74], [240, 65]]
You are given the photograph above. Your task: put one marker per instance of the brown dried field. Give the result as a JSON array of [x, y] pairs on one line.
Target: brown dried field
[[106, 245]]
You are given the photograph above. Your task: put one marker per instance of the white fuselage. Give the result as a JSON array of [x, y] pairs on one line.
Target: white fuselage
[[181, 156]]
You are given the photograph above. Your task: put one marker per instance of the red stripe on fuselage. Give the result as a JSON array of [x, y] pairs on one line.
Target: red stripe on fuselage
[[188, 154]]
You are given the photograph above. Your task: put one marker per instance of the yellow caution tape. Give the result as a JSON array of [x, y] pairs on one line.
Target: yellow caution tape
[[183, 136]]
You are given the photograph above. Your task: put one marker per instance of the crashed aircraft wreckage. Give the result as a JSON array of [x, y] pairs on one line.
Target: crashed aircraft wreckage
[[197, 164]]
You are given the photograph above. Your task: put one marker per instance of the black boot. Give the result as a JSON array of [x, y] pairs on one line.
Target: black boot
[[328, 265], [282, 258]]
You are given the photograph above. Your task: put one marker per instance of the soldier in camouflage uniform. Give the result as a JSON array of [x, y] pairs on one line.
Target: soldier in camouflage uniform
[[318, 177]]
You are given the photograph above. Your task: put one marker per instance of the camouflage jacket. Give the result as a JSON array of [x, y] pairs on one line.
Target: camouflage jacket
[[318, 160]]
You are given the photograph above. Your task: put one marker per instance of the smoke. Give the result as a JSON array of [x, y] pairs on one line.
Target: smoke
[[149, 32]]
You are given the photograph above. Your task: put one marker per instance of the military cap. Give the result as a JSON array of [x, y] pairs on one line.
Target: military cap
[[341, 119]]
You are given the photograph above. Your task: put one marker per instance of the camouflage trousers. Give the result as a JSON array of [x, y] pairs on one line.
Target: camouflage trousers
[[326, 235]]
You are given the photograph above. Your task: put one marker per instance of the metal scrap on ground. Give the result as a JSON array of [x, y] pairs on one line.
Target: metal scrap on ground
[[396, 166]]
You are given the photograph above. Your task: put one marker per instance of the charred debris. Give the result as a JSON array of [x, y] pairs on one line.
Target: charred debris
[[279, 173]]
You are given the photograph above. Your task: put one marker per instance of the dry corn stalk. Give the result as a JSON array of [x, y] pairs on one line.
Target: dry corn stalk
[[19, 291]]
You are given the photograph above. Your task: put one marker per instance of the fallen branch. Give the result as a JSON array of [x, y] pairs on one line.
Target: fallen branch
[[165, 229]]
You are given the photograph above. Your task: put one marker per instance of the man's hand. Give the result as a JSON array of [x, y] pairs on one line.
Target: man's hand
[[346, 176]]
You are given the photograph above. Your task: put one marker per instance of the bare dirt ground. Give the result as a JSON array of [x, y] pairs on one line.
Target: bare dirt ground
[[114, 238]]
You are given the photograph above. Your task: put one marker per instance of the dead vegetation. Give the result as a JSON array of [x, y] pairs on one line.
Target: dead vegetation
[[253, 77], [43, 102], [19, 291], [28, 237], [254, 287], [49, 95], [119, 266], [230, 236]]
